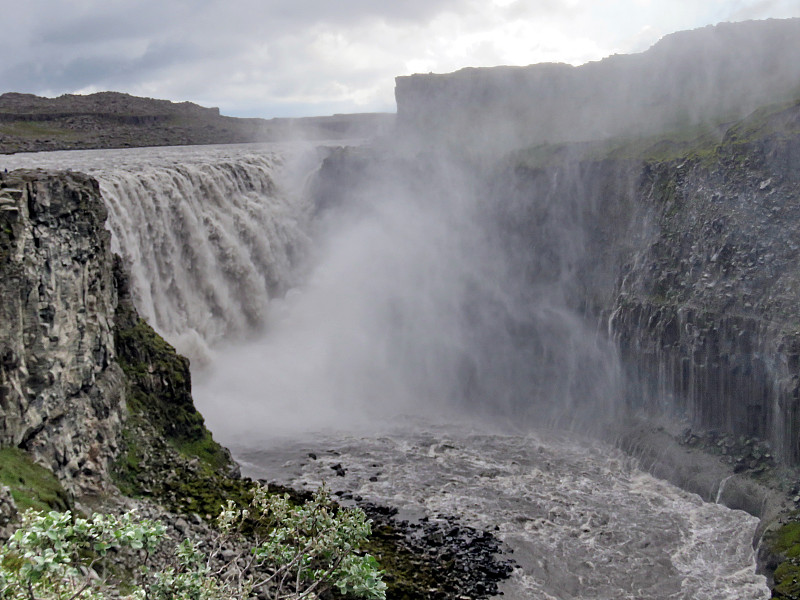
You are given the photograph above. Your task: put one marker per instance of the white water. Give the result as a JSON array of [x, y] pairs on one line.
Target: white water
[[584, 522], [378, 323], [208, 233]]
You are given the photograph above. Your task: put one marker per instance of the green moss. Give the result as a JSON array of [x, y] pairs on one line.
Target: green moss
[[166, 452], [408, 576], [776, 119], [787, 540], [704, 143], [32, 486], [38, 129], [787, 582], [207, 450], [160, 392]]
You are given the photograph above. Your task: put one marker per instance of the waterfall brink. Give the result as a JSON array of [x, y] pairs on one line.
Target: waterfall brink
[[207, 244]]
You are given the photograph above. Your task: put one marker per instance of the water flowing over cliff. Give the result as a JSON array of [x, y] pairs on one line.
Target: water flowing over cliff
[[208, 240], [378, 286], [207, 244]]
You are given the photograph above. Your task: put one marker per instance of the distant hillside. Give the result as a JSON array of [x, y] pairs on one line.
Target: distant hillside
[[717, 73], [113, 120]]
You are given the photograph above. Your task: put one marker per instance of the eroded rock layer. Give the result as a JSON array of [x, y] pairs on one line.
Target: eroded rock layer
[[61, 390]]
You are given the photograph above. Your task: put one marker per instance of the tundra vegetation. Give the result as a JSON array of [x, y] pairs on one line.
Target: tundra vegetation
[[289, 552]]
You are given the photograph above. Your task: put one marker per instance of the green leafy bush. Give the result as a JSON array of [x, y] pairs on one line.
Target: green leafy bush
[[292, 552]]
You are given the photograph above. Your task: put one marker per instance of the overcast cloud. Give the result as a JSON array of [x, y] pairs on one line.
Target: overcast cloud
[[314, 57]]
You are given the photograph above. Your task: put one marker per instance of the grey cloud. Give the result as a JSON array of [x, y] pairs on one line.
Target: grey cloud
[[763, 9], [248, 53]]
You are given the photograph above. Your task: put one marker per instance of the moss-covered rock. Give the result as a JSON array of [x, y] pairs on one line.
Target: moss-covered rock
[[31, 485], [167, 453], [159, 387], [783, 545]]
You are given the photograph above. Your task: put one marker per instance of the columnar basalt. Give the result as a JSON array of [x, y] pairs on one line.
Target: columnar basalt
[[706, 315], [61, 391]]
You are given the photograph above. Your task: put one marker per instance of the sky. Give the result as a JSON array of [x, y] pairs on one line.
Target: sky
[[279, 58]]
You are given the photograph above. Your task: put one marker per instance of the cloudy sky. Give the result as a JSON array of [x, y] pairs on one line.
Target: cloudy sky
[[271, 58]]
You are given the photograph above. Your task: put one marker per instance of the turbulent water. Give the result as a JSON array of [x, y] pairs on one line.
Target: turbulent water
[[397, 307], [583, 521]]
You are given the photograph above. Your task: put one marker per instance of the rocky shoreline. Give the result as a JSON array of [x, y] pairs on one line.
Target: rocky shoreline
[[461, 561]]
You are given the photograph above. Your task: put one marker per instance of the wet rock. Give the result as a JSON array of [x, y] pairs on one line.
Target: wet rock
[[462, 561], [60, 382]]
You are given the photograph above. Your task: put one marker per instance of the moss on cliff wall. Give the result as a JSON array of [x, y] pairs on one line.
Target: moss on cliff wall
[[167, 452], [31, 485]]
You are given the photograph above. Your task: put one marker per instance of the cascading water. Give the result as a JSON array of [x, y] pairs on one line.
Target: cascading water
[[209, 237], [403, 310], [411, 309]]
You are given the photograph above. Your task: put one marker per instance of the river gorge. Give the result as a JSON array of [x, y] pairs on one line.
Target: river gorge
[[568, 323], [389, 334]]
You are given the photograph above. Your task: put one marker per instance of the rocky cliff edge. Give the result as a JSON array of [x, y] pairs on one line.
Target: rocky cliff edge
[[86, 387]]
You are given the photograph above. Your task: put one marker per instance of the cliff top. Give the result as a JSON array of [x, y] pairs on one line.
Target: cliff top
[[99, 103], [30, 123], [714, 74]]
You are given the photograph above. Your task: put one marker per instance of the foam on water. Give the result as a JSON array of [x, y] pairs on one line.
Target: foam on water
[[584, 522], [209, 234]]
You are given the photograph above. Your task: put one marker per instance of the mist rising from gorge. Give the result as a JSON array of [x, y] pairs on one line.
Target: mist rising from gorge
[[410, 309], [425, 275]]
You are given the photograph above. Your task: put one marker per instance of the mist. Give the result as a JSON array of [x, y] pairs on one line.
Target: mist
[[411, 308]]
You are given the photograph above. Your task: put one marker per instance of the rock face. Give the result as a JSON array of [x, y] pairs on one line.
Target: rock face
[[61, 391], [85, 383], [688, 258], [707, 313], [720, 73], [662, 202]]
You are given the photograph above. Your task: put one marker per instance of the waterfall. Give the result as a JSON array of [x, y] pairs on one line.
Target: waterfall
[[386, 285], [207, 245], [412, 308], [209, 234]]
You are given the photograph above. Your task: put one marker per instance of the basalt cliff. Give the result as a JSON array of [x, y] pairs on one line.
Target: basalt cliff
[[679, 179], [87, 389]]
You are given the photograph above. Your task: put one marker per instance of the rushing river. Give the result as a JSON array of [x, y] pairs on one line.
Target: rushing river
[[379, 314], [582, 520]]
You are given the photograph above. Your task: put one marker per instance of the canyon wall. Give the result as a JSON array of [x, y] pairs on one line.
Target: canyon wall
[[76, 361], [61, 390], [707, 312], [687, 257], [662, 200], [712, 74]]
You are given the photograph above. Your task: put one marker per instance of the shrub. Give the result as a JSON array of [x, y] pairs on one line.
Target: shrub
[[290, 552]]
